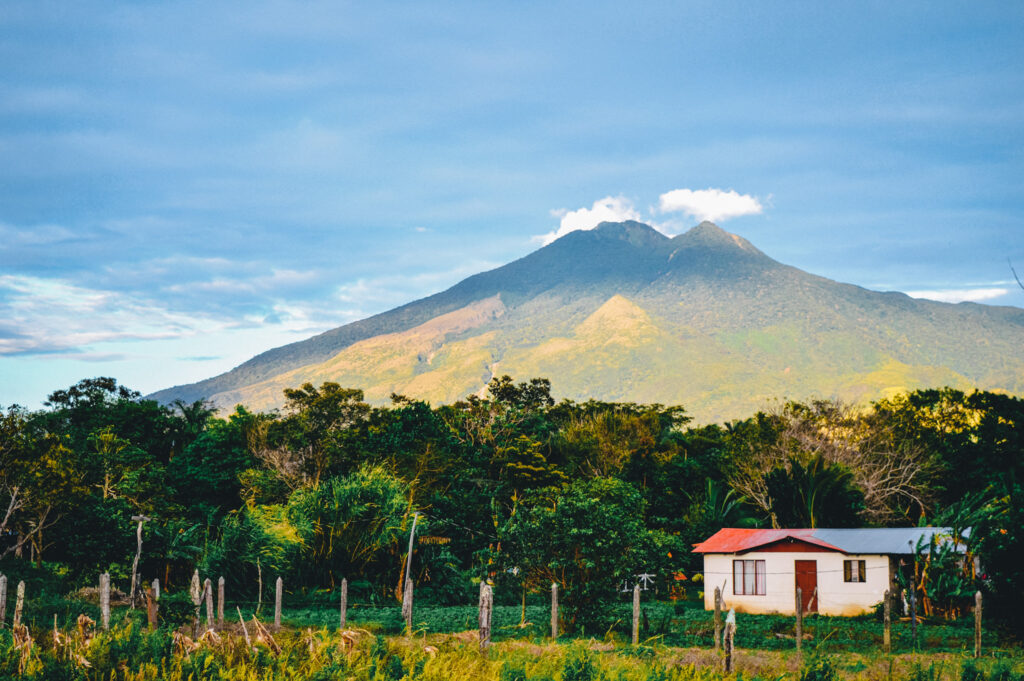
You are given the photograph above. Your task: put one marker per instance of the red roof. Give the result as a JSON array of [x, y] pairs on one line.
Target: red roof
[[737, 540]]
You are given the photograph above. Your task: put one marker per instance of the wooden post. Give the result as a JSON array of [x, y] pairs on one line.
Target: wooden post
[[636, 614], [19, 605], [195, 590], [136, 586], [887, 633], [407, 583], [344, 603], [151, 609], [208, 591], [486, 606], [278, 596], [259, 586], [730, 639], [554, 610], [105, 600], [220, 602], [718, 617], [799, 621], [3, 600], [977, 624], [913, 611], [156, 589], [407, 607]]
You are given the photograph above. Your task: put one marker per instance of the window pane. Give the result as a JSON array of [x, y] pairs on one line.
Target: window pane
[[760, 578], [749, 578], [847, 570], [737, 577], [863, 572]]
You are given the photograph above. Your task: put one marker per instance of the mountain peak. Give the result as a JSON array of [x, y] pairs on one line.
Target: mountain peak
[[636, 233], [709, 234]]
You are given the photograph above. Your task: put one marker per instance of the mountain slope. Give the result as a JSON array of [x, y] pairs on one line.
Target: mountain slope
[[623, 312]]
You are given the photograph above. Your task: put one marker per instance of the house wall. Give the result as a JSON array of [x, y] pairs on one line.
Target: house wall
[[835, 597]]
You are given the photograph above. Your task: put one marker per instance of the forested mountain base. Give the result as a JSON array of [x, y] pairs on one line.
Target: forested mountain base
[[511, 488]]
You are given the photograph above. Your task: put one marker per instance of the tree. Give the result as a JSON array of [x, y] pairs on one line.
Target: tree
[[37, 481], [587, 539], [890, 471], [818, 494]]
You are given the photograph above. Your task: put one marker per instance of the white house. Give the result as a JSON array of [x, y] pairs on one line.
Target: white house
[[839, 571]]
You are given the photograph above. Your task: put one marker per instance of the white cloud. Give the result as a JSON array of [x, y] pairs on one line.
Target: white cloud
[[709, 204], [608, 209], [972, 295]]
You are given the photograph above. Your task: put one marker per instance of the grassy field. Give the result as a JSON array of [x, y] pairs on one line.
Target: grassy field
[[676, 644]]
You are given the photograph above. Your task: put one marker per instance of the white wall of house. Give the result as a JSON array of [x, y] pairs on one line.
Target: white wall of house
[[835, 596]]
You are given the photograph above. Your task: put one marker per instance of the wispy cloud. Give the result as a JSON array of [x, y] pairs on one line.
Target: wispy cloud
[[608, 209], [972, 295], [709, 204]]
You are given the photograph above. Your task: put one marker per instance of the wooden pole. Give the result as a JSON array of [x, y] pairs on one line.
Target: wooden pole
[[913, 611], [19, 604], [486, 606], [730, 639], [799, 621], [3, 600], [636, 614], [718, 617], [554, 610], [406, 584], [278, 596], [977, 624], [259, 586], [407, 607], [105, 600], [220, 601], [887, 633], [136, 586], [208, 591], [195, 590], [344, 603], [151, 611]]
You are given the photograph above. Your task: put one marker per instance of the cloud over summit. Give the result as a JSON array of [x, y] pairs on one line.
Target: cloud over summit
[[712, 204]]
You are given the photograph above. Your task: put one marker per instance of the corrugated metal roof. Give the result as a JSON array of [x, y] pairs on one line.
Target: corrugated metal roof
[[896, 540]]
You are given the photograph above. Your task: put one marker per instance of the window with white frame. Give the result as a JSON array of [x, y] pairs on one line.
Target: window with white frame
[[854, 571], [748, 578]]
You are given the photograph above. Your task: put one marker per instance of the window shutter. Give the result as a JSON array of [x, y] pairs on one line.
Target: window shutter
[[847, 569]]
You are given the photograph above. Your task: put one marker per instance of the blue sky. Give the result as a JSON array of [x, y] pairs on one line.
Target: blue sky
[[184, 185]]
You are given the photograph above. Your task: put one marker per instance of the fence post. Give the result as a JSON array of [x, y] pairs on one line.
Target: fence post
[[554, 610], [407, 607], [486, 605], [344, 603], [913, 610], [636, 614], [105, 600], [278, 596], [19, 604], [220, 601], [208, 590], [887, 633], [195, 591], [799, 621], [3, 600], [151, 607], [730, 639], [977, 624], [718, 617]]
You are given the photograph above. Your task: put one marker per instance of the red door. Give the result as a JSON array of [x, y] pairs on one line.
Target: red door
[[807, 580]]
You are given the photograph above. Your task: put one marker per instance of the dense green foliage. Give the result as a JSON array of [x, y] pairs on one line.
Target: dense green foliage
[[511, 487]]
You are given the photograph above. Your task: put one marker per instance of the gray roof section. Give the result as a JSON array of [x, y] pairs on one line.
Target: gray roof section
[[889, 540]]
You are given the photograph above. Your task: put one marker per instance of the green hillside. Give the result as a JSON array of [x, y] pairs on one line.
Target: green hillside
[[623, 312]]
